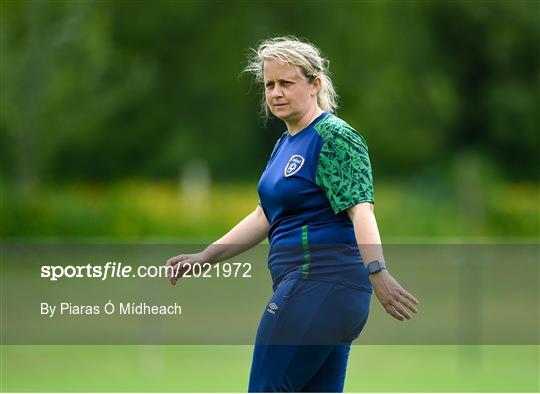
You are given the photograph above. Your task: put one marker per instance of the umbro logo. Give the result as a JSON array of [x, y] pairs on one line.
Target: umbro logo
[[272, 307], [293, 165]]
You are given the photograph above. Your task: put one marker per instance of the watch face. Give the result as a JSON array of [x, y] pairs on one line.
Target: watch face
[[374, 267]]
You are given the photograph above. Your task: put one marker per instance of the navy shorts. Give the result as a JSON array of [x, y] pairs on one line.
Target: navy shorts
[[304, 336]]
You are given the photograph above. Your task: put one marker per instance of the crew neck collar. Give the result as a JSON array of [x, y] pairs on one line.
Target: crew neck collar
[[313, 122]]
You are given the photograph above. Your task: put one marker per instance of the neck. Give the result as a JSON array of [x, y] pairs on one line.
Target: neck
[[304, 121]]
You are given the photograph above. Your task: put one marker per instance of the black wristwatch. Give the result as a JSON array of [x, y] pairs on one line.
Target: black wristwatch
[[375, 266]]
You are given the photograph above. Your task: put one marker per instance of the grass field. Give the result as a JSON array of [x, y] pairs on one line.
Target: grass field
[[226, 368], [134, 211]]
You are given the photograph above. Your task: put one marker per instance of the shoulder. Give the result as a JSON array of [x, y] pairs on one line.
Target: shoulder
[[336, 132], [278, 142], [281, 138]]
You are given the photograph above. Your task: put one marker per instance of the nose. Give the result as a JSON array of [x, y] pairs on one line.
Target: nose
[[276, 91]]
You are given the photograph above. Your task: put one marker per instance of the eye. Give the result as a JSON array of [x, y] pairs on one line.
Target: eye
[[269, 85], [287, 83]]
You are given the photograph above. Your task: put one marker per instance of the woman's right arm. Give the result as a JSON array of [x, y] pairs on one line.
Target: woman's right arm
[[246, 234]]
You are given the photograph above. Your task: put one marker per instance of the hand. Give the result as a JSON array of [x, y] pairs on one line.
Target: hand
[[394, 298], [181, 264]]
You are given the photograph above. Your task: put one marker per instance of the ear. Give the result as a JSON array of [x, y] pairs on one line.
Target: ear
[[316, 86]]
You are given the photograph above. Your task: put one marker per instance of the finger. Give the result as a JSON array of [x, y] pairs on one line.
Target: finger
[[401, 310], [405, 293], [170, 268], [182, 268], [178, 273], [408, 304], [392, 311], [172, 262], [176, 259], [173, 275]]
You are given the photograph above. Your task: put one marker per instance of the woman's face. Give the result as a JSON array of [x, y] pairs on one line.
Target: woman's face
[[289, 94]]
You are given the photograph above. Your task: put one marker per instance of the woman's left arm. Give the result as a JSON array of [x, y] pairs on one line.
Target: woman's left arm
[[393, 297]]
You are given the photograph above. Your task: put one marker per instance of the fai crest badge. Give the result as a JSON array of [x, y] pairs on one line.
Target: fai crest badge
[[293, 165]]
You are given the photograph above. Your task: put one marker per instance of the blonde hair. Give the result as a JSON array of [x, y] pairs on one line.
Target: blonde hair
[[291, 50]]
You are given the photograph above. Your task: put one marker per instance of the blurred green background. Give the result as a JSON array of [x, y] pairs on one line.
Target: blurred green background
[[130, 120]]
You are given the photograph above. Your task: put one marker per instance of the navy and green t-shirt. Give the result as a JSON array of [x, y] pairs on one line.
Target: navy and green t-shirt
[[310, 181]]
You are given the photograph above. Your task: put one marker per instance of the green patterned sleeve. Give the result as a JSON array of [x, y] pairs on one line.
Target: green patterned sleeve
[[344, 169]]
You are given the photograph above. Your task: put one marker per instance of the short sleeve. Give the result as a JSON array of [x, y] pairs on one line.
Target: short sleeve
[[344, 170]]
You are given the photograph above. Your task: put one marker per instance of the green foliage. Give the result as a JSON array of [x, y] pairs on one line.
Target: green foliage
[[101, 90], [134, 210]]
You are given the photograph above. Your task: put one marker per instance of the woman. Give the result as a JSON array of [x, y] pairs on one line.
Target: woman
[[316, 208]]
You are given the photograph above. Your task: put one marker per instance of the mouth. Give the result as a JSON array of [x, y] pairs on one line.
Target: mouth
[[280, 105]]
